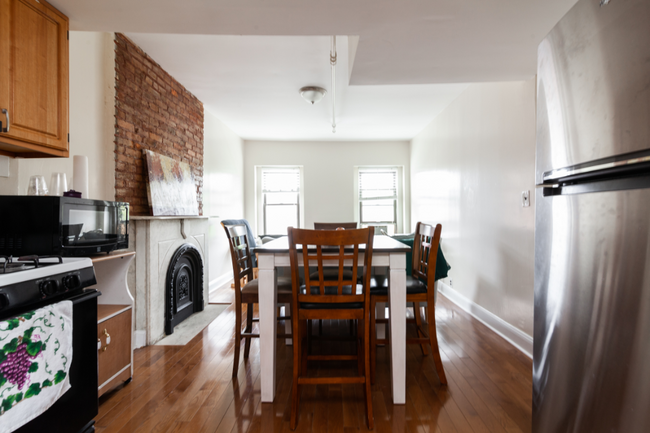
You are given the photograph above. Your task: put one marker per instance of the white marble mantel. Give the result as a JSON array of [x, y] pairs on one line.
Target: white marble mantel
[[155, 239]]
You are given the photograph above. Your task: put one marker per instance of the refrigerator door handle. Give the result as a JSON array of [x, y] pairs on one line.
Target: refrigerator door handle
[[618, 166]]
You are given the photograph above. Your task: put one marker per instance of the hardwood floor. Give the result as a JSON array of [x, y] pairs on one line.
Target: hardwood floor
[[189, 388]]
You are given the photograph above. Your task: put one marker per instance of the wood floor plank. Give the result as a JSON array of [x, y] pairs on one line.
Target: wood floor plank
[[491, 369], [470, 400], [475, 388], [189, 389]]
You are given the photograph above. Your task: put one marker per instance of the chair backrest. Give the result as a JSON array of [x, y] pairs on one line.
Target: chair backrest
[[425, 252], [251, 237], [321, 247], [334, 226], [242, 260]]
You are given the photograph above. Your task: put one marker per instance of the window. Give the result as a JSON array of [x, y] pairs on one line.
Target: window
[[379, 198], [279, 199]]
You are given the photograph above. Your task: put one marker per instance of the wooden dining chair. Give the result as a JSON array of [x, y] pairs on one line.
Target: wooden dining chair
[[251, 243], [331, 273], [419, 288], [242, 266], [342, 298]]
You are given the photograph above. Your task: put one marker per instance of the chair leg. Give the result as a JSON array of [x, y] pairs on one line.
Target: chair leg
[[360, 359], [297, 343], [418, 324], [304, 353], [373, 339], [435, 350], [287, 324], [235, 361], [249, 328], [310, 333], [367, 329]]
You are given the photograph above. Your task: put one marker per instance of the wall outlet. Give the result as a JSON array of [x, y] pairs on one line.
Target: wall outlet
[[4, 166], [451, 283], [525, 198]]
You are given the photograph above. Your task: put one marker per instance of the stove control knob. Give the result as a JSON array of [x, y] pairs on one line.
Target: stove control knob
[[71, 282], [4, 300], [48, 287]]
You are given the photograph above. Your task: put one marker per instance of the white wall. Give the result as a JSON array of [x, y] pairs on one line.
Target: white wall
[[9, 184], [92, 110], [328, 170], [468, 169], [223, 191]]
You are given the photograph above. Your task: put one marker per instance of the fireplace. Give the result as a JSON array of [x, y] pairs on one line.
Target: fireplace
[[184, 287], [170, 251]]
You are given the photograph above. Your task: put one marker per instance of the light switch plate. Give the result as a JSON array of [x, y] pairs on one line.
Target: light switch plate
[[525, 198], [4, 166]]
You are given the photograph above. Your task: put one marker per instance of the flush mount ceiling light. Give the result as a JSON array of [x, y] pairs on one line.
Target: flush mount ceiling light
[[312, 94]]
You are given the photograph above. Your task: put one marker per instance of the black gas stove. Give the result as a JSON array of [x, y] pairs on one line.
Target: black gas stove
[[31, 282]]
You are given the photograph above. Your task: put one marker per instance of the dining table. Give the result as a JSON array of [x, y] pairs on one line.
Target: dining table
[[387, 253]]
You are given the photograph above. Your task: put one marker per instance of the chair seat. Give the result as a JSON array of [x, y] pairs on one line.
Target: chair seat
[[331, 290], [250, 292], [331, 274], [379, 286]]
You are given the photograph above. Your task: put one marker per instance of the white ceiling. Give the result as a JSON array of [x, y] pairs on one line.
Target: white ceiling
[[246, 59]]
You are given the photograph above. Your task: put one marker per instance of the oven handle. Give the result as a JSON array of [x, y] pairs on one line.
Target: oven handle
[[86, 295]]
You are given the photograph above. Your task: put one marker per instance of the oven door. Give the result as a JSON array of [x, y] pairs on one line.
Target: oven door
[[93, 226], [75, 410]]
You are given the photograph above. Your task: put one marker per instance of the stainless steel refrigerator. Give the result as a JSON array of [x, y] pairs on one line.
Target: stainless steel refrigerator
[[591, 365]]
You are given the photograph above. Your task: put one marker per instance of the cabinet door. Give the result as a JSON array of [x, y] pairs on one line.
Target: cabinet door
[[34, 75], [115, 355]]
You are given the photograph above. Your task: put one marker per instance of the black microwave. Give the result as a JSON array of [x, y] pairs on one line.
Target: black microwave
[[65, 226]]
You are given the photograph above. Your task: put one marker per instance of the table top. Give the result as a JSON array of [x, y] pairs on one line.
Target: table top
[[381, 244]]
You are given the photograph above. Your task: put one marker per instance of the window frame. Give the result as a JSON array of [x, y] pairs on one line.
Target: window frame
[[260, 208], [399, 206]]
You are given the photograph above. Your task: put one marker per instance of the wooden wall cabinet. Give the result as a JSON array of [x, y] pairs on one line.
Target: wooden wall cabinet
[[33, 79], [114, 321]]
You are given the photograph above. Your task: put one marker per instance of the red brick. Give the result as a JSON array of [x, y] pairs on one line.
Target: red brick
[[155, 112]]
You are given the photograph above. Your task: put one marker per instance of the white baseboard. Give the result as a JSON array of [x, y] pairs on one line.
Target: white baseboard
[[140, 339], [219, 282], [513, 335]]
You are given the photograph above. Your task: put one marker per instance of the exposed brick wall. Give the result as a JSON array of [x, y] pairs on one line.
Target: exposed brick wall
[[155, 112]]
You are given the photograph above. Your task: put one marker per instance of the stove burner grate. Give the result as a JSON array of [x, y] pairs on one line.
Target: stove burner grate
[[16, 264]]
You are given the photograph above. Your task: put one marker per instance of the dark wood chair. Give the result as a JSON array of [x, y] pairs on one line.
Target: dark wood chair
[[334, 226], [343, 298], [419, 288], [242, 266], [331, 273], [251, 242]]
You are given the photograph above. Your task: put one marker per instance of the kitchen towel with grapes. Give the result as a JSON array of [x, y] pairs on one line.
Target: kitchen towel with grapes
[[35, 358]]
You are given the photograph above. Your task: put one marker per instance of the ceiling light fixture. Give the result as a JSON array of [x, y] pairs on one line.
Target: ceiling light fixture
[[312, 94]]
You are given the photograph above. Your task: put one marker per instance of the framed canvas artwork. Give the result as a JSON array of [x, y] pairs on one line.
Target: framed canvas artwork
[[171, 188]]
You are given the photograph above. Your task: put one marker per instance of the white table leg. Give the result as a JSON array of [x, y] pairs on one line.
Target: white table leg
[[397, 319], [268, 289]]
